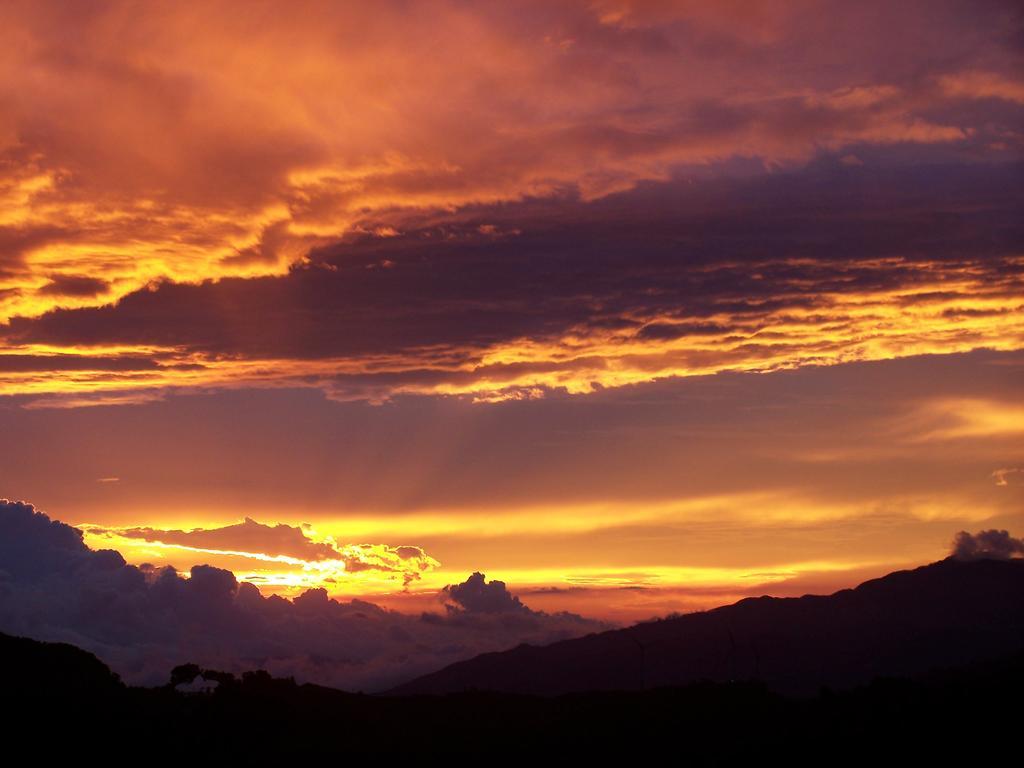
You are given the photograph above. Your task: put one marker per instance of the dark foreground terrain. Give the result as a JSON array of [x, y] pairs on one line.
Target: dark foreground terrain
[[927, 665], [59, 699]]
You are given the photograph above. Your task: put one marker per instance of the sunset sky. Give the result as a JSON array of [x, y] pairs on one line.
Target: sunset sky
[[639, 307]]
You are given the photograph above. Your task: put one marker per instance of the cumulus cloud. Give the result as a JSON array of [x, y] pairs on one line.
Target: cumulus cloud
[[987, 545], [477, 595], [143, 621]]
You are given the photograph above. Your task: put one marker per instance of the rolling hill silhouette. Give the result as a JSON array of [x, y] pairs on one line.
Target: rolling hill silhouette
[[904, 624]]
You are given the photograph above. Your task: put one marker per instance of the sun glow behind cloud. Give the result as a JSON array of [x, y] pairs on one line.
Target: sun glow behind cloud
[[417, 586], [408, 576], [306, 561]]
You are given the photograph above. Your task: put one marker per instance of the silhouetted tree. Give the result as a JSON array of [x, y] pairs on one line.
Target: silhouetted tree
[[183, 674]]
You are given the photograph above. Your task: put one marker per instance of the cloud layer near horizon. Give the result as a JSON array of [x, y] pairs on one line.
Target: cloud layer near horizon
[[143, 621], [670, 493], [331, 197]]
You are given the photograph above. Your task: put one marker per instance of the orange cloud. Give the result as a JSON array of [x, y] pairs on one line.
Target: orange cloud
[[954, 419], [188, 142]]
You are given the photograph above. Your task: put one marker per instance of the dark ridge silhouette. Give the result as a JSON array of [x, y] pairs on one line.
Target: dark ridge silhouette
[[33, 668], [58, 699], [903, 624]]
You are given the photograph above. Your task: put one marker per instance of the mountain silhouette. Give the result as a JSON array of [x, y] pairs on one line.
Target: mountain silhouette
[[904, 624], [57, 698]]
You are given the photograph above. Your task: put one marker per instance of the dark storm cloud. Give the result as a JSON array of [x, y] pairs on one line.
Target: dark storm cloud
[[143, 621], [677, 330], [746, 248], [74, 286], [14, 363]]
